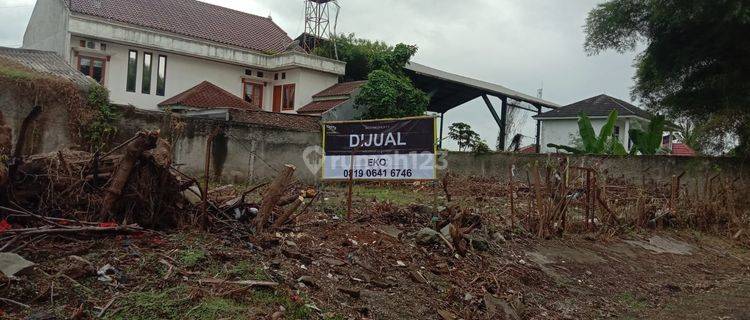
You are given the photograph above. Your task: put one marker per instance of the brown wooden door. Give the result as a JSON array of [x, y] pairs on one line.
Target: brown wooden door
[[277, 98]]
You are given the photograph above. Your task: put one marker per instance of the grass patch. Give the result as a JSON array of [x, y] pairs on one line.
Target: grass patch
[[384, 194], [174, 303], [217, 308], [294, 310], [632, 301], [191, 257], [164, 304], [247, 271]]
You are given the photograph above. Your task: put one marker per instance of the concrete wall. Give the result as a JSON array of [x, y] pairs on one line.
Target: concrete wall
[[48, 27], [244, 153], [184, 72], [48, 133], [250, 153], [634, 169]]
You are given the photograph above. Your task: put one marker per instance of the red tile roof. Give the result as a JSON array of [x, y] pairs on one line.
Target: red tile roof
[[682, 150], [321, 106], [277, 120], [192, 18], [340, 89], [206, 95], [528, 149]]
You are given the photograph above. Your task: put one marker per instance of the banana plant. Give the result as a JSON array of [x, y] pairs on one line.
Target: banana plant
[[648, 142], [605, 143]]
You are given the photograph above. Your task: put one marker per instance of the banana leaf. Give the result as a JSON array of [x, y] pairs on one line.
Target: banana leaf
[[648, 142], [588, 137], [606, 133]]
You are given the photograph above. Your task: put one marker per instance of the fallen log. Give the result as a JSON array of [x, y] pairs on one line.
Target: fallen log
[[25, 232], [272, 196], [307, 194], [251, 283], [44, 230], [145, 141], [283, 218]]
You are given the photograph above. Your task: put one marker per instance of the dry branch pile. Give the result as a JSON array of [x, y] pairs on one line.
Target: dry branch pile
[[136, 187], [548, 199]]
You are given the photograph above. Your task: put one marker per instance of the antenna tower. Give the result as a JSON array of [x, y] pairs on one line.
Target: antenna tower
[[321, 19]]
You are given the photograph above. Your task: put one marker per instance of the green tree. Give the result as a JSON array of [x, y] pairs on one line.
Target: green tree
[[357, 53], [695, 62], [691, 134], [648, 142], [464, 136], [389, 93], [101, 130], [390, 96], [605, 143], [479, 146]]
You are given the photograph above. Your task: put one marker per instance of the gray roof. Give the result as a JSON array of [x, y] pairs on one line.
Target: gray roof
[[45, 62], [459, 89], [599, 106]]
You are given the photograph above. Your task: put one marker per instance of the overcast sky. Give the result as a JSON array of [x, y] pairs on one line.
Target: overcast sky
[[517, 44]]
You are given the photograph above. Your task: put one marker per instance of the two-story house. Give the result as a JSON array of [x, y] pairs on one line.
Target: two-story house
[[146, 51]]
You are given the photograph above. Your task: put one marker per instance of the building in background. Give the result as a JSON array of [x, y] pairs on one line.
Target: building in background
[[560, 126], [335, 102], [145, 51]]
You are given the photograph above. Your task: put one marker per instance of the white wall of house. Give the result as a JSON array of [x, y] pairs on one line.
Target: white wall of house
[[314, 82], [184, 72], [565, 131], [48, 28], [189, 61]]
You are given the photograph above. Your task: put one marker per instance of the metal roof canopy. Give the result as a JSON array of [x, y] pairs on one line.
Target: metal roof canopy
[[450, 90], [447, 91]]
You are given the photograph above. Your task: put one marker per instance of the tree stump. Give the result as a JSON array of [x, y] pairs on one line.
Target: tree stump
[[272, 196]]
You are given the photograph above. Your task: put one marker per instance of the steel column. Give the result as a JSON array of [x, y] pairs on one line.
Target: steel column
[[504, 123], [440, 138], [500, 122], [538, 130]]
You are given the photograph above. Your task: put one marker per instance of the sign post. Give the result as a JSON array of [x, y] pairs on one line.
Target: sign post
[[379, 150]]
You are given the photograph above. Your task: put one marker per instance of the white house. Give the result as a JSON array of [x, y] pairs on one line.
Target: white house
[[146, 51], [560, 126]]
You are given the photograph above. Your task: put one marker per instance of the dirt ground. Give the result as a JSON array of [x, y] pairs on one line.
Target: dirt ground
[[371, 266]]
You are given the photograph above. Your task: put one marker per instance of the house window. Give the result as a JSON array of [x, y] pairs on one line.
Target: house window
[[103, 46], [283, 75], [146, 80], [248, 72], [253, 93], [276, 76], [616, 132], [90, 44], [132, 70], [259, 74], [92, 67], [287, 100], [161, 75], [82, 43]]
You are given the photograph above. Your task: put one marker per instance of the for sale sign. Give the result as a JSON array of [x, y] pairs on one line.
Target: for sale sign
[[398, 149]]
